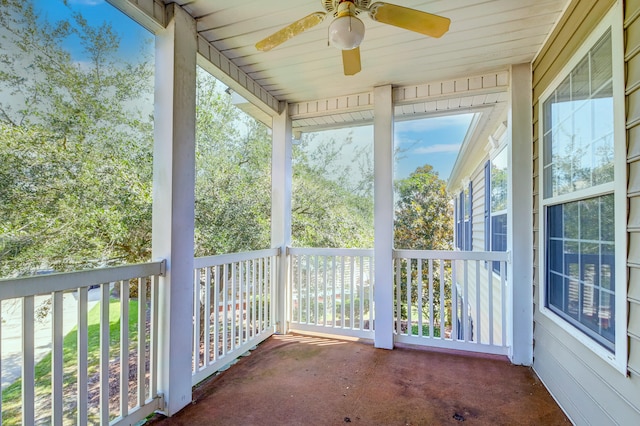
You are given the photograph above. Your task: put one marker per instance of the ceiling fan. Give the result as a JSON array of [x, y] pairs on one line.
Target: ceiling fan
[[346, 31]]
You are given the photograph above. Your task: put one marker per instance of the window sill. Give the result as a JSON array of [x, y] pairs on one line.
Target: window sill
[[617, 360]]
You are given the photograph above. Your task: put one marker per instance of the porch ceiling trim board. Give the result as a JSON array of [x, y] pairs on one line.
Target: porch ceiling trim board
[[471, 94], [152, 14], [227, 72]]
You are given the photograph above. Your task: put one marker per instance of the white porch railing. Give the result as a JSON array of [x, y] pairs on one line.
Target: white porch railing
[[77, 362], [331, 291], [233, 307], [452, 299]]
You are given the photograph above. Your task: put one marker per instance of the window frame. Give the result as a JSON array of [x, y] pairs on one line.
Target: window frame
[[463, 223], [468, 221], [618, 358], [489, 213]]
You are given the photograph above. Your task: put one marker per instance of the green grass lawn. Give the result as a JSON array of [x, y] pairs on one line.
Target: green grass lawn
[[12, 395]]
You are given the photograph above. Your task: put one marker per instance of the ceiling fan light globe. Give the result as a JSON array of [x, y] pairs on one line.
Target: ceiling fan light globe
[[346, 32]]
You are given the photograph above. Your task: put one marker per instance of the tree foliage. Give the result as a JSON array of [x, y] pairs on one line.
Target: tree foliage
[[423, 216], [329, 207], [76, 154], [75, 146], [423, 221], [76, 138], [233, 175]]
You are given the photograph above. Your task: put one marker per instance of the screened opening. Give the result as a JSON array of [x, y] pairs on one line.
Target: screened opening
[[332, 195], [233, 173], [425, 152], [76, 137]]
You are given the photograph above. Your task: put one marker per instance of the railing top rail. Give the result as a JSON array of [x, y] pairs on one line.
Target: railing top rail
[[489, 256], [42, 284], [223, 259], [330, 251]]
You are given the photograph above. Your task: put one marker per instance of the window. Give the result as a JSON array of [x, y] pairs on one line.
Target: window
[[458, 202], [487, 206], [580, 206], [463, 213], [468, 213], [495, 201], [498, 204]]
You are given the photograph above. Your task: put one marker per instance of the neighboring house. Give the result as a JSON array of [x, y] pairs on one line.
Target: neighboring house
[[480, 216], [584, 214]]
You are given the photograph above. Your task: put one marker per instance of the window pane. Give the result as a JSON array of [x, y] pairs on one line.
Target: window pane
[[602, 119], [556, 290], [554, 227], [578, 126], [563, 104], [607, 218], [571, 215], [467, 204], [555, 255], [577, 250], [499, 182], [589, 219], [563, 156], [580, 87], [601, 67]]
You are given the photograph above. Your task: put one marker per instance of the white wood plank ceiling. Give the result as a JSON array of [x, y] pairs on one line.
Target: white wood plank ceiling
[[484, 37], [466, 70]]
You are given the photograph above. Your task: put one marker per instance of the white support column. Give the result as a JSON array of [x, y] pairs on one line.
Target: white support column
[[520, 208], [173, 202], [383, 216], [281, 173]]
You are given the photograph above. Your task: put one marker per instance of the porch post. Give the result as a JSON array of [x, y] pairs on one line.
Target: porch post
[[383, 216], [173, 202], [520, 208], [281, 172]]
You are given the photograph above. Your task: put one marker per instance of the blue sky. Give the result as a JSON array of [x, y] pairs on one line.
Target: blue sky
[[96, 12], [435, 141]]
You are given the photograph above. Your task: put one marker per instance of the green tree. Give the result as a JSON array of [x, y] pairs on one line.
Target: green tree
[[75, 146], [329, 208], [423, 215], [423, 221], [233, 175], [76, 155]]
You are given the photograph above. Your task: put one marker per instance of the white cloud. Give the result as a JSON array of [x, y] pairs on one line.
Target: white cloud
[[441, 147], [86, 2]]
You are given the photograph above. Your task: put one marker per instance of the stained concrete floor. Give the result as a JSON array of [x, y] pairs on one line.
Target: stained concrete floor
[[301, 380]]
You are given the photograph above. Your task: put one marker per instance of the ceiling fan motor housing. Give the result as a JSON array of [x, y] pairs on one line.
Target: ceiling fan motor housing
[[332, 6], [346, 31]]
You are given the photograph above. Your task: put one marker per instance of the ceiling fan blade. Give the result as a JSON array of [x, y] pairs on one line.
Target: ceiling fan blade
[[410, 19], [290, 31], [351, 61]]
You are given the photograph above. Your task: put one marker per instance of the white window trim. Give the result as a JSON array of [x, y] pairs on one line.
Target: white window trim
[[618, 359]]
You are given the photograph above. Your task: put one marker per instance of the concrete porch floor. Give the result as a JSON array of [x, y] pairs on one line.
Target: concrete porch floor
[[301, 380]]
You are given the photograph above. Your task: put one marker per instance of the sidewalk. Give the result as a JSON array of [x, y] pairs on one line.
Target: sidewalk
[[11, 327]]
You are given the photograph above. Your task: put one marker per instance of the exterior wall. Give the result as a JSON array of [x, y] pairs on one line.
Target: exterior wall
[[632, 58], [589, 389], [478, 237], [477, 219]]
